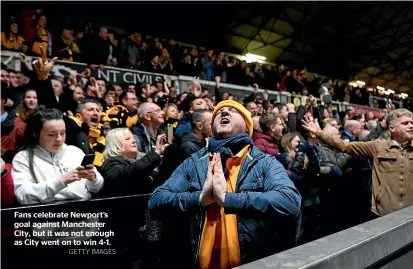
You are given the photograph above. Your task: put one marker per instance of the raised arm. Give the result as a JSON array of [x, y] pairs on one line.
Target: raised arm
[[354, 148]]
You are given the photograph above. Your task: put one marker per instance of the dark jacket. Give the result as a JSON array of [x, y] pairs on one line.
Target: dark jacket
[[126, 177], [176, 154], [101, 51], [266, 143], [146, 141], [330, 157], [184, 127], [347, 136], [265, 201], [310, 174], [190, 144]]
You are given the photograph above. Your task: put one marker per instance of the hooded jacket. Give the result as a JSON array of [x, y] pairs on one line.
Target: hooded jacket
[[46, 185]]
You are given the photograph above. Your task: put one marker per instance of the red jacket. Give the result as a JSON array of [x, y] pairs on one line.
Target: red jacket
[[28, 29], [14, 140], [7, 187], [266, 143]]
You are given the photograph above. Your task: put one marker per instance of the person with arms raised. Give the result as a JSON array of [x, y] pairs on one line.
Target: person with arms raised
[[392, 161]]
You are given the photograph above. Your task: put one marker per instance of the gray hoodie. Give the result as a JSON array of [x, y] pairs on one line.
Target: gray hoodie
[[48, 169]]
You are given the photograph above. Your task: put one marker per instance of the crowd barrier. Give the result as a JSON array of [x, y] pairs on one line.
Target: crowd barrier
[[375, 101], [116, 75], [386, 242], [118, 240]]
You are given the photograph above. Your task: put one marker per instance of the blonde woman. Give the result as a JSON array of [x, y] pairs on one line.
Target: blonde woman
[[125, 169]]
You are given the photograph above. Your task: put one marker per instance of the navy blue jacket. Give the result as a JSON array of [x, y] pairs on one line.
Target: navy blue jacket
[[265, 201]]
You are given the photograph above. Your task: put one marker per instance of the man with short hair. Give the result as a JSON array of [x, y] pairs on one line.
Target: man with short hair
[[361, 120], [252, 108], [151, 117], [371, 125], [331, 122], [391, 160], [272, 128], [240, 202], [85, 132], [143, 93], [124, 114], [352, 129], [14, 79], [118, 92], [282, 110], [15, 90], [5, 76], [363, 134], [175, 154], [196, 102], [201, 130], [102, 86], [57, 89]]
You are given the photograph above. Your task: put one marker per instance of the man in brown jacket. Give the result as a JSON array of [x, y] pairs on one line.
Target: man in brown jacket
[[392, 159]]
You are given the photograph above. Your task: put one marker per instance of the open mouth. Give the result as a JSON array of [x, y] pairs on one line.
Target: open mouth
[[225, 121], [94, 121]]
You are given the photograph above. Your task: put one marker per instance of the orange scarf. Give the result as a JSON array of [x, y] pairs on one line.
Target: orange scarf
[[219, 248]]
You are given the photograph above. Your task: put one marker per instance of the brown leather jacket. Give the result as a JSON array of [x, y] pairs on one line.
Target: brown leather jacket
[[392, 179]]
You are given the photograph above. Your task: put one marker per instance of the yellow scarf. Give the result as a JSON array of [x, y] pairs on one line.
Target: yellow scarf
[[219, 248]]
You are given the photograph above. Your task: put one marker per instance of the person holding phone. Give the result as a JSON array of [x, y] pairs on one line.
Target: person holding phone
[[125, 169], [47, 169]]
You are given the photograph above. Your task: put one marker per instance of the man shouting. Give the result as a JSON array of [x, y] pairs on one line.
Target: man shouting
[[239, 202]]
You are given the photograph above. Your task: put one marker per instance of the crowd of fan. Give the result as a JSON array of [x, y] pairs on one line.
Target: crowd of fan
[[140, 134], [101, 46]]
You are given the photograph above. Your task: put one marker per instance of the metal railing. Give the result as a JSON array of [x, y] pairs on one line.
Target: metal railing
[[374, 244], [125, 218]]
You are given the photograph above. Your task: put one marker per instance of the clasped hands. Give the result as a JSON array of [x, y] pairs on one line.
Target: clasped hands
[[215, 187]]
